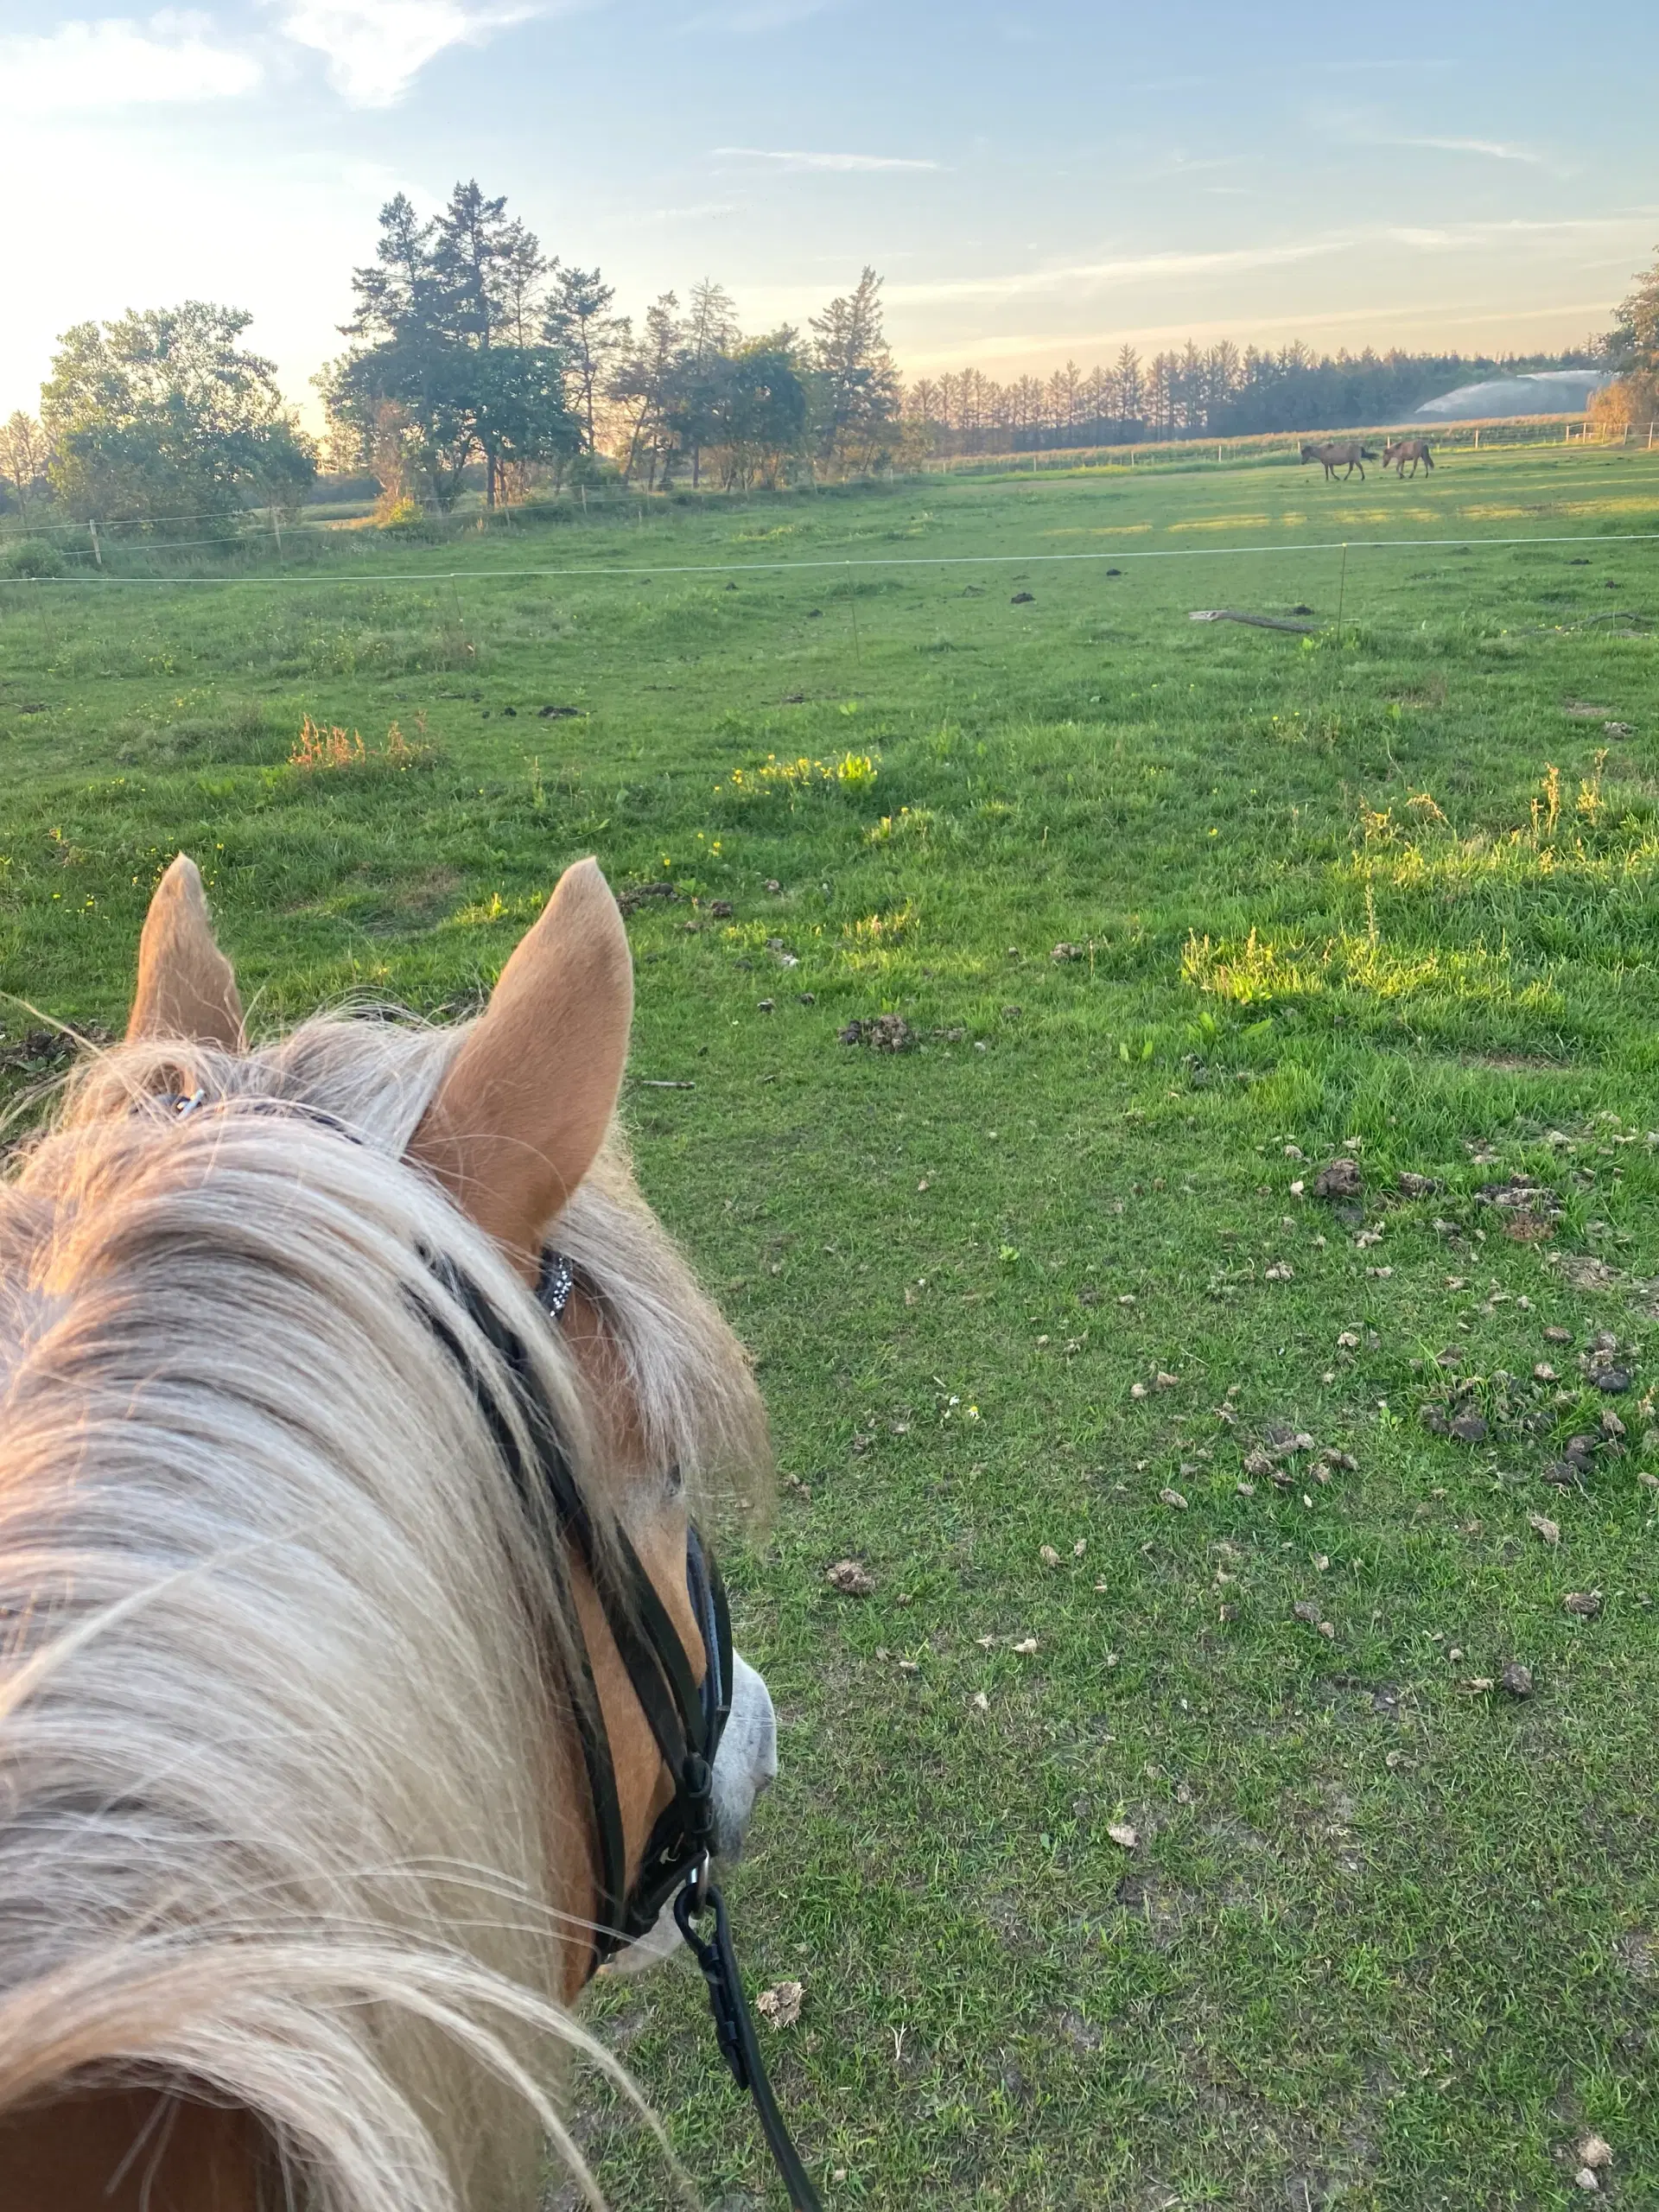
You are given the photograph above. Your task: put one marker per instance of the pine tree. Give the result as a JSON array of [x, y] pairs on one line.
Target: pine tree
[[593, 341], [857, 382], [451, 311]]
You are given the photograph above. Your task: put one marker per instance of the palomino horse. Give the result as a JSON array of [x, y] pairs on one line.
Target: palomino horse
[[325, 1749], [1347, 454], [1397, 451]]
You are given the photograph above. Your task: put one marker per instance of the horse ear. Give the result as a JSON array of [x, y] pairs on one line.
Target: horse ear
[[523, 1107], [186, 986]]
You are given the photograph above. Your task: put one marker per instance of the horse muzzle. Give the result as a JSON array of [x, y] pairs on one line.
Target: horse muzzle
[[747, 1760]]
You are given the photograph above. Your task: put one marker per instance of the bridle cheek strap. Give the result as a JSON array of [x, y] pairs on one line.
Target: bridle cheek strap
[[686, 1718]]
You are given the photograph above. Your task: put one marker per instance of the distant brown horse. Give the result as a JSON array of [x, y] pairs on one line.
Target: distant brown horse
[[1334, 454], [1397, 451]]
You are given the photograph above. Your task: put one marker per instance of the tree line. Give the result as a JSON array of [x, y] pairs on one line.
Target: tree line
[[473, 356], [1220, 390]]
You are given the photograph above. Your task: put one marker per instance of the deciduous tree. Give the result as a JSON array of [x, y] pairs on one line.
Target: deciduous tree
[[23, 456], [1633, 349], [644, 389], [162, 414]]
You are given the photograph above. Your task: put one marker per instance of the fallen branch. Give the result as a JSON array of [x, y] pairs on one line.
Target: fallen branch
[[1257, 621], [660, 1083]]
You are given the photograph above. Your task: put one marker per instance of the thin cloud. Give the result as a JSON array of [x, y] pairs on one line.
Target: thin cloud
[[1132, 269], [1493, 149], [1367, 127], [375, 49], [1452, 235], [831, 162], [1128, 271], [119, 63], [762, 15], [1369, 67], [704, 211]]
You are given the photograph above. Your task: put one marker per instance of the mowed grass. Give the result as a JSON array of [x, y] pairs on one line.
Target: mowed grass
[[1387, 1937]]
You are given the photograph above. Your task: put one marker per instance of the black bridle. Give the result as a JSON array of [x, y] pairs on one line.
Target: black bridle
[[686, 1718]]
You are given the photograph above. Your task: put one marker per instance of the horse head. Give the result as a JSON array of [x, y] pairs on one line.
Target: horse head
[[362, 1680]]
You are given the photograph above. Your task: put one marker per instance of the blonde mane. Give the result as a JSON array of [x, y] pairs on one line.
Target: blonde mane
[[281, 1647]]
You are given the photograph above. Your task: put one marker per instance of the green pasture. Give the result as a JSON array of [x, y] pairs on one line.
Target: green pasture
[[1044, 1301]]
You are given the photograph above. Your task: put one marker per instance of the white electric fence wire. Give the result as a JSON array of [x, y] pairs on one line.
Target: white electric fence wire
[[375, 577]]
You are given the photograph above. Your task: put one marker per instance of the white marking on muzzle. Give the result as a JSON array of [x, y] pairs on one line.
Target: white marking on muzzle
[[748, 1757]]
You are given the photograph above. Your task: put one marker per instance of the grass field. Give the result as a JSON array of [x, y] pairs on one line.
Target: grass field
[[1044, 1301]]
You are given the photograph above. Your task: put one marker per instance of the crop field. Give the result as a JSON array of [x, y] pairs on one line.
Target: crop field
[[1229, 1781]]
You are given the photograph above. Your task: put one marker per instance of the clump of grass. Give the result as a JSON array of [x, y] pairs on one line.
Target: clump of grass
[[32, 557], [913, 825], [328, 749], [847, 771]]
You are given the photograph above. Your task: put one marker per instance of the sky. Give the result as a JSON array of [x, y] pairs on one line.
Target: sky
[[1033, 179]]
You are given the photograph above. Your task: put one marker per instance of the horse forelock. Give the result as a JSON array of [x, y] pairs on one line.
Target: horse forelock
[[273, 1620]]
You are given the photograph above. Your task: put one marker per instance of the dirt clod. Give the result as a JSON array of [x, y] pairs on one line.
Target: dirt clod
[[1516, 1677], [1470, 1428], [1585, 1602], [851, 1577], [780, 2006], [1339, 1179], [882, 1033], [636, 894]]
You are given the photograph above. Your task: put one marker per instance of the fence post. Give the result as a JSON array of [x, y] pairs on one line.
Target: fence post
[[97, 551], [276, 527]]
